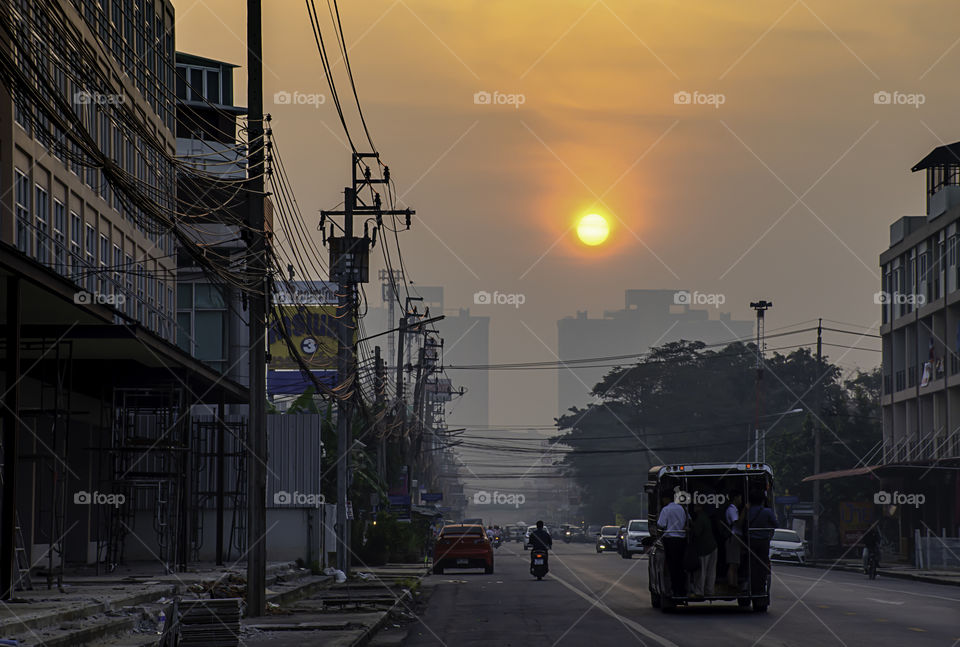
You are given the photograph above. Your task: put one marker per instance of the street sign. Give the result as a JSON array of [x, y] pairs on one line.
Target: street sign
[[349, 510], [431, 497], [802, 509], [787, 500]]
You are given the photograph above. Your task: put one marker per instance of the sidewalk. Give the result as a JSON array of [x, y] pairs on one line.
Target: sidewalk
[[348, 614], [901, 571], [125, 604]]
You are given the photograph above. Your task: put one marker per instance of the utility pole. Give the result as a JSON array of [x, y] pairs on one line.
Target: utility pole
[[349, 266], [815, 543], [388, 294], [379, 385], [760, 307], [259, 299], [345, 365]]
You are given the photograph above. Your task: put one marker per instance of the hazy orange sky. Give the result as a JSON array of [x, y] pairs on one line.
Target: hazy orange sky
[[783, 192]]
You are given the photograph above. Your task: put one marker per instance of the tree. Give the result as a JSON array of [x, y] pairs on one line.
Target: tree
[[687, 403]]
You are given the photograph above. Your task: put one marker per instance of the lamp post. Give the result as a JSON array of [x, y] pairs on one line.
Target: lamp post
[[759, 438]]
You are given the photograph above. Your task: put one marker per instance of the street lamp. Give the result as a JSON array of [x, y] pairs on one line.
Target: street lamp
[[760, 438]]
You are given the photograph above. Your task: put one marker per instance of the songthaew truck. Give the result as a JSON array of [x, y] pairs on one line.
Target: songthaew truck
[[710, 489]]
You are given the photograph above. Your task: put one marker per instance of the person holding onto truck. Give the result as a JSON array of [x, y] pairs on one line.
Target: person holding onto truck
[[672, 523], [759, 524], [701, 534], [734, 541]]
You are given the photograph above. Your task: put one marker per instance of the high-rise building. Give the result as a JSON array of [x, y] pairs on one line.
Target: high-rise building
[[649, 318]]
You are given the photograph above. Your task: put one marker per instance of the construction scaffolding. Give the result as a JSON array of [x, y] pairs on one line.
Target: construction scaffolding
[[218, 473], [44, 451], [149, 450]]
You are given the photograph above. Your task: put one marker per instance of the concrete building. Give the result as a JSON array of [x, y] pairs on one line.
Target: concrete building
[[88, 282], [211, 318], [920, 309], [212, 325], [649, 317]]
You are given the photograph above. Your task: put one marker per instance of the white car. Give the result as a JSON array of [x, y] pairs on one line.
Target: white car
[[526, 537], [636, 530], [786, 545]]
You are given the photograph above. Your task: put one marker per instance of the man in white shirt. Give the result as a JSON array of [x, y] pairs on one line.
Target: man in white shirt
[[672, 523]]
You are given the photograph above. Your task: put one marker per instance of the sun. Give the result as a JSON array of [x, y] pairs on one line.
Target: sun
[[593, 229]]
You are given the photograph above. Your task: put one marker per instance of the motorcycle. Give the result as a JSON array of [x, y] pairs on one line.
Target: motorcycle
[[538, 563], [497, 541]]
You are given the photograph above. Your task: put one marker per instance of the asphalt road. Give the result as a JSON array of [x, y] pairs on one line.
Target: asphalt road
[[594, 600]]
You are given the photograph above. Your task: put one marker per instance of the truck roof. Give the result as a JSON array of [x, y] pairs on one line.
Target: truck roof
[[707, 469]]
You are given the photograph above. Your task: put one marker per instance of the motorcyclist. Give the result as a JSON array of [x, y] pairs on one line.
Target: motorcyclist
[[540, 539]]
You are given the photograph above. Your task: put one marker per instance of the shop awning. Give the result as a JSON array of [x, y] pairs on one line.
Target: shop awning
[[839, 474]]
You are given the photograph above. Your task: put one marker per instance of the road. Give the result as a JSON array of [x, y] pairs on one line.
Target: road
[[595, 600]]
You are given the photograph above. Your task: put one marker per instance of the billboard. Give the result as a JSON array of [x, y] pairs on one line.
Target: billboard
[[313, 332]]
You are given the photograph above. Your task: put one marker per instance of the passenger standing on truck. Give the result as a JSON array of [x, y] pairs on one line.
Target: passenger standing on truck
[[760, 522], [701, 534], [672, 523], [735, 541]]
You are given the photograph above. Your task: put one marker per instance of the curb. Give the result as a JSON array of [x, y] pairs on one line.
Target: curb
[[916, 577], [299, 592], [373, 629], [16, 625]]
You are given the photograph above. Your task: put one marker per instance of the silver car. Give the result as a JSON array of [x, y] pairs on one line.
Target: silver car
[[636, 531], [787, 546]]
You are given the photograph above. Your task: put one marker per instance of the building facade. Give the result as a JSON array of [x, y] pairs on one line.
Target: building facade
[[919, 300], [63, 213], [920, 316], [88, 247]]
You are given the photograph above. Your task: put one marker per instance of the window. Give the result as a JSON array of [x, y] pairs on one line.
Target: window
[[201, 318], [22, 199], [128, 269], [140, 289], [118, 158], [115, 30], [90, 258], [76, 255], [105, 125], [212, 91], [161, 310], [104, 259], [117, 262], [42, 220], [60, 237], [181, 82], [151, 303]]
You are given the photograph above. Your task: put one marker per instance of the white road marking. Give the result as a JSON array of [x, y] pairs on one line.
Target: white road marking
[[885, 601], [783, 575], [636, 626]]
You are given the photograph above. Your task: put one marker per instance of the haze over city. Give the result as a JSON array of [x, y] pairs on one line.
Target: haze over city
[[783, 190], [430, 323]]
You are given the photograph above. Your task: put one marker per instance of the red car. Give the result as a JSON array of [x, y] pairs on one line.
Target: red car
[[463, 546]]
